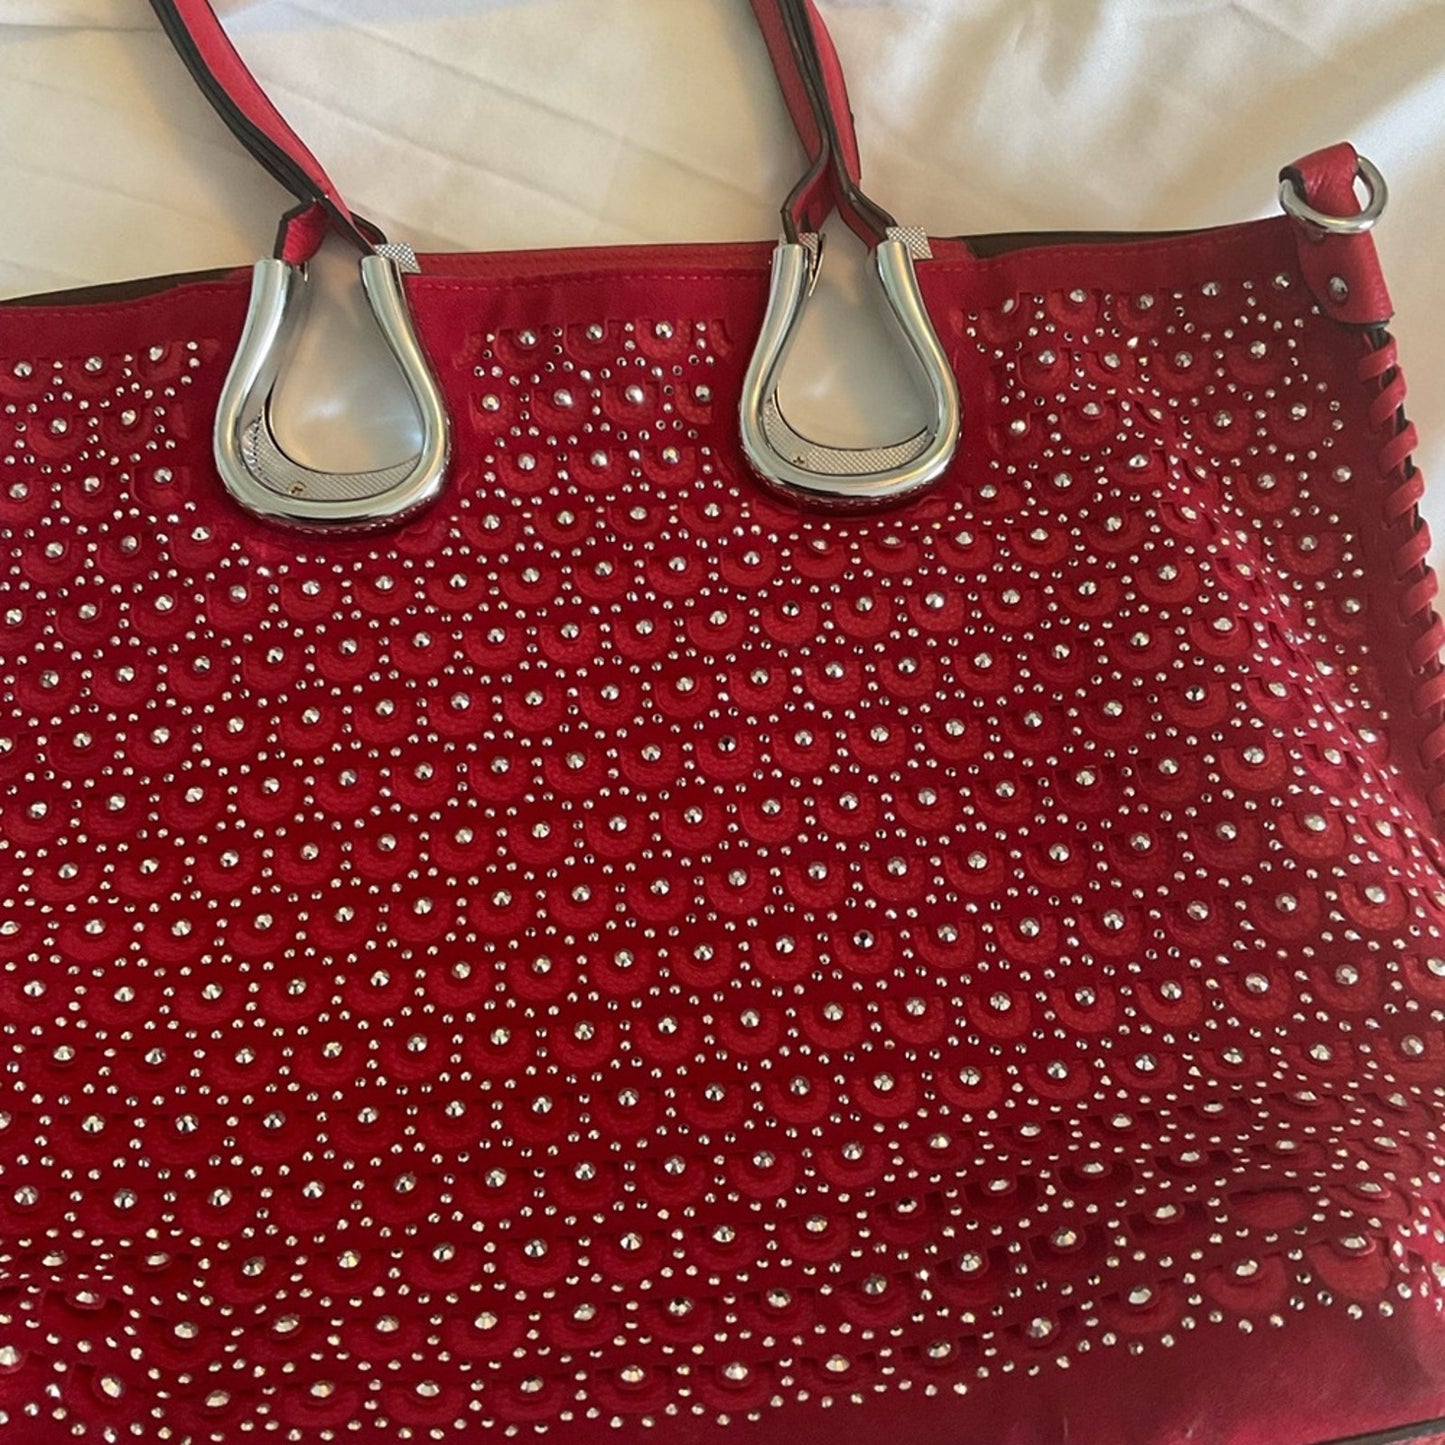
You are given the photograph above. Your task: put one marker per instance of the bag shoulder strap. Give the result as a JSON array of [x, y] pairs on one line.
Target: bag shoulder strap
[[803, 56]]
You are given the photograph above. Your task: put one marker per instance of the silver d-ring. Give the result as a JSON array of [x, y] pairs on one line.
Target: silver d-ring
[[1292, 198], [257, 470], [848, 478]]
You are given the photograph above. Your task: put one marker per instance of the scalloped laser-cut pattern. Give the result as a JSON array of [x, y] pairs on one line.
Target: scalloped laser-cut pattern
[[620, 948]]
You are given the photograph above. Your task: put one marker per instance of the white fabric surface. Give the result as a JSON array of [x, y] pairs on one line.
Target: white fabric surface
[[485, 124]]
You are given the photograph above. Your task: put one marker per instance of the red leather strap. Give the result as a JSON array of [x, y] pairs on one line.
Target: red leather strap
[[805, 61], [816, 64], [804, 106], [1342, 271]]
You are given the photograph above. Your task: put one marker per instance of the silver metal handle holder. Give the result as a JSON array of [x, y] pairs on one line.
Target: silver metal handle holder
[[1292, 199], [848, 478], [254, 466]]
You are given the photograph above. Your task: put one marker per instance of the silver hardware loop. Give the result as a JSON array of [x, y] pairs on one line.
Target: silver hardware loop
[[848, 478], [257, 470], [1292, 198]]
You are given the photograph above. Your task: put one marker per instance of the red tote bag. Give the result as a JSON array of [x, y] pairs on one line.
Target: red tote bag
[[638, 923]]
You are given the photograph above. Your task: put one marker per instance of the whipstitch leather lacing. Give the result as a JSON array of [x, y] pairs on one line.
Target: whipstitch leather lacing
[[1410, 534]]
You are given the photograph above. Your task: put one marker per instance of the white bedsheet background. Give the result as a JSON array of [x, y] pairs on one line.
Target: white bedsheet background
[[487, 124]]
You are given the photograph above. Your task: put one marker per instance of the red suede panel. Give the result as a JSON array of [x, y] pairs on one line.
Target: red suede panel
[[622, 955]]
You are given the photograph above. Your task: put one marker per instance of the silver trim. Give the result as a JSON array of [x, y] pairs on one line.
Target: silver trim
[[1294, 203], [915, 238], [847, 477], [402, 254], [255, 467]]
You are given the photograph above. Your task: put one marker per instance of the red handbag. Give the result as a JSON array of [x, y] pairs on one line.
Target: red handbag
[[636, 923]]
